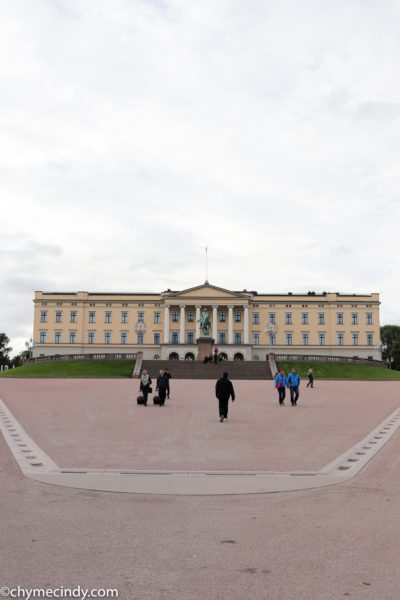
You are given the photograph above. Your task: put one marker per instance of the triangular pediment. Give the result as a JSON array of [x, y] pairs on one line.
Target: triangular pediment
[[207, 291]]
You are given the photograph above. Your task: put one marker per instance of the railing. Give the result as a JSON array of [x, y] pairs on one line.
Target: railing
[[332, 359], [57, 357]]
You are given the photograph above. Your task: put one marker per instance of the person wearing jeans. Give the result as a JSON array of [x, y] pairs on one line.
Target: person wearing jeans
[[281, 385], [294, 384]]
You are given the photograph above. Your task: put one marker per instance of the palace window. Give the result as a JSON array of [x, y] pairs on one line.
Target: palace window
[[288, 318], [340, 339], [140, 317], [222, 337], [73, 316], [124, 338], [368, 317], [72, 337], [92, 317], [57, 337], [58, 316], [107, 337], [190, 337], [321, 318], [354, 339], [124, 317], [157, 317], [157, 337], [289, 339], [256, 338], [43, 316], [256, 318], [175, 337], [108, 317], [238, 316], [91, 337], [321, 339], [43, 337], [190, 316], [222, 316], [272, 318], [238, 337], [370, 339], [304, 318], [339, 319], [175, 316], [272, 338], [304, 337], [140, 339], [354, 318]]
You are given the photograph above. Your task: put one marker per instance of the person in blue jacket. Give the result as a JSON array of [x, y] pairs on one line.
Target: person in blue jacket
[[281, 385], [293, 381]]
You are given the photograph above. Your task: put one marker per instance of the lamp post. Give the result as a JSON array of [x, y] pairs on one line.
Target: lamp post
[[140, 329], [271, 330]]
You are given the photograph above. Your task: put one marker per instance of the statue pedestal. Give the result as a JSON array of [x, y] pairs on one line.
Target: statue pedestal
[[205, 347]]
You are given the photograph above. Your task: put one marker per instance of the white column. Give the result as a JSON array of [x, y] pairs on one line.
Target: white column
[[215, 316], [182, 325], [230, 324], [197, 321], [246, 324], [166, 324]]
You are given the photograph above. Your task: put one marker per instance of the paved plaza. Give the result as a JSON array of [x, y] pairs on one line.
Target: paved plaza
[[335, 541]]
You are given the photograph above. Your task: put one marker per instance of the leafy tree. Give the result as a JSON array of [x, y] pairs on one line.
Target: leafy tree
[[396, 355], [5, 350], [390, 336]]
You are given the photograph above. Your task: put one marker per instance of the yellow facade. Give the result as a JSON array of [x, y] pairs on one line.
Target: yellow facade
[[165, 324]]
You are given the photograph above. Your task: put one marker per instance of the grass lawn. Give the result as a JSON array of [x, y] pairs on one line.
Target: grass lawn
[[338, 371], [74, 368]]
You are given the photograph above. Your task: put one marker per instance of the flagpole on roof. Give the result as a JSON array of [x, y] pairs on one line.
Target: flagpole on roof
[[206, 264]]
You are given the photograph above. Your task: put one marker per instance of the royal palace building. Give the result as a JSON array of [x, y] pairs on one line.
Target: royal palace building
[[244, 324]]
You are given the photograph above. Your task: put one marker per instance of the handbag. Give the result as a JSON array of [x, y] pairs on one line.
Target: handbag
[[150, 390]]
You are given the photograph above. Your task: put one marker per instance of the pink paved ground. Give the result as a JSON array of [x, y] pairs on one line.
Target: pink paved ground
[[92, 424], [331, 543]]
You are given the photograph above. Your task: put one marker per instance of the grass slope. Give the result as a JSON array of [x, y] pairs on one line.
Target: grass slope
[[338, 371], [74, 368]]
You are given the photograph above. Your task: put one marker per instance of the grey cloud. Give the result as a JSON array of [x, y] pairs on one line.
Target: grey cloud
[[378, 111]]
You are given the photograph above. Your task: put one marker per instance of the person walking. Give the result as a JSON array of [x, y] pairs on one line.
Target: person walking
[[281, 385], [294, 384], [223, 391], [162, 386], [168, 374], [310, 377], [215, 354], [145, 383]]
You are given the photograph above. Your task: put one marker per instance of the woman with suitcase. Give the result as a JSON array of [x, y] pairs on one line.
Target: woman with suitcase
[[145, 383]]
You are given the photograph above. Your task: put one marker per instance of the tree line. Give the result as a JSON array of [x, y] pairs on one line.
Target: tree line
[[6, 349]]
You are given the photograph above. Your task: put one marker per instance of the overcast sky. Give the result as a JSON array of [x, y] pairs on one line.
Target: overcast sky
[[133, 133]]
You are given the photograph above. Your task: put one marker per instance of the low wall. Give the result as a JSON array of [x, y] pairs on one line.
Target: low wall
[[330, 359], [61, 357]]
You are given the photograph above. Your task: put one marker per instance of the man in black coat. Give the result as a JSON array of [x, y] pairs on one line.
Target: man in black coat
[[162, 386], [224, 390]]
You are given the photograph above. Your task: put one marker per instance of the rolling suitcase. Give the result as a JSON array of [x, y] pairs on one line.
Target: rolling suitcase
[[156, 399], [140, 399]]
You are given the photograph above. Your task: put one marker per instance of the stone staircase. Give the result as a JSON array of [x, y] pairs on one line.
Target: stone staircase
[[237, 369]]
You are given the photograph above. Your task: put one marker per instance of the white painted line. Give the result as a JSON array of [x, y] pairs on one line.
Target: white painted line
[[30, 458]]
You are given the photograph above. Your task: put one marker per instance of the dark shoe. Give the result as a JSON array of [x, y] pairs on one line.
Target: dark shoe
[[221, 419]]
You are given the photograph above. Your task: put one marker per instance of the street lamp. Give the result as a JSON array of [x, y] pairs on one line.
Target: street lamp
[[271, 330], [140, 329]]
